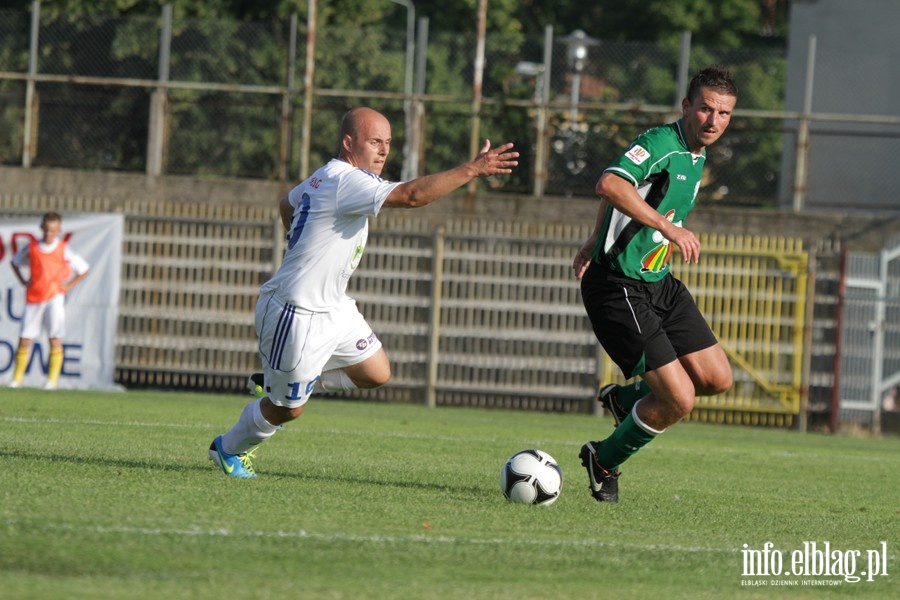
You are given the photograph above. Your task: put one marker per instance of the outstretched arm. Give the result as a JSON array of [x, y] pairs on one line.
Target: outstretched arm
[[425, 190]]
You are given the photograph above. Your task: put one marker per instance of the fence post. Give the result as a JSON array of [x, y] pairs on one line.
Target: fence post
[[803, 414], [477, 80], [308, 86], [30, 133], [684, 60], [159, 98], [834, 416], [540, 149], [434, 325], [416, 133], [800, 174], [409, 119], [878, 355], [287, 104]]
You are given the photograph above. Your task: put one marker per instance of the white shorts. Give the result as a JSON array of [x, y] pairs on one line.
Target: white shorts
[[49, 316], [296, 346]]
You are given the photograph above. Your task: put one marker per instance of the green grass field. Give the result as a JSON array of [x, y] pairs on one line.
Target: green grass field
[[111, 495]]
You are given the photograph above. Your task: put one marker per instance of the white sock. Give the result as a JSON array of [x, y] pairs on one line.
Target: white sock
[[640, 423], [334, 381], [250, 430]]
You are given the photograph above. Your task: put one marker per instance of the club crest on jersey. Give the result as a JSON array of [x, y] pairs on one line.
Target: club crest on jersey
[[637, 154], [357, 256]]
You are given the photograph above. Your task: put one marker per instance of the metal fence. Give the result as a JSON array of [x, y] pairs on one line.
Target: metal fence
[[222, 98], [163, 95], [472, 312], [486, 313], [868, 345]]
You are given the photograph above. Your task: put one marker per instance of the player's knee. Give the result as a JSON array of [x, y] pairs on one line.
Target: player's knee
[[372, 373], [725, 381], [684, 405], [375, 379], [385, 378], [278, 415], [715, 382], [719, 384]]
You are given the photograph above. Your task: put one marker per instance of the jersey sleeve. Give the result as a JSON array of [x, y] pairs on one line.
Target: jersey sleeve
[[362, 192], [636, 163], [78, 264]]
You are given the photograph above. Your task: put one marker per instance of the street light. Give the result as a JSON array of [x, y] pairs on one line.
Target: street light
[[571, 140], [577, 44]]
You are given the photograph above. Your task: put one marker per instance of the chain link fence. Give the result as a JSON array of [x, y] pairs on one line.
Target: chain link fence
[[224, 98]]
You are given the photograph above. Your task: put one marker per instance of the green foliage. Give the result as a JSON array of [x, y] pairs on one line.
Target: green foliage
[[360, 53], [111, 495], [731, 24]]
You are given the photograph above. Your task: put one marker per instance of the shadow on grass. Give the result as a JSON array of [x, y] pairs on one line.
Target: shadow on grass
[[210, 468]]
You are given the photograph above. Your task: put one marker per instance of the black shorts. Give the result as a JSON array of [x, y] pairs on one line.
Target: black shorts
[[643, 326]]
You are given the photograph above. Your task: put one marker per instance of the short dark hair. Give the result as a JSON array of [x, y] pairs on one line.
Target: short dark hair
[[715, 78], [50, 217]]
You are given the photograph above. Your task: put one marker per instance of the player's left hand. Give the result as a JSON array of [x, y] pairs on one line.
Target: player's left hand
[[583, 258], [495, 161]]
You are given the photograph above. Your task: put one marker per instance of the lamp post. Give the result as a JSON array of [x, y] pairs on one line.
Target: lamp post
[[577, 44], [571, 139]]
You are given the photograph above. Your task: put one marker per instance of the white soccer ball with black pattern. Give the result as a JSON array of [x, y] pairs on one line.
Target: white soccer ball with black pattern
[[531, 477]]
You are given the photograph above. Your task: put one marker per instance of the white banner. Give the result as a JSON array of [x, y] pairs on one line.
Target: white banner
[[91, 307]]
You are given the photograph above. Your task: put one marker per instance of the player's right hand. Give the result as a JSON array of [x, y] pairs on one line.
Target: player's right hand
[[687, 243]]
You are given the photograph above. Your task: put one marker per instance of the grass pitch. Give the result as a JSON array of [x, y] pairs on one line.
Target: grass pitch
[[111, 495]]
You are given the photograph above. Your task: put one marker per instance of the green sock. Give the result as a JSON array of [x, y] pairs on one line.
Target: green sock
[[626, 439], [630, 393]]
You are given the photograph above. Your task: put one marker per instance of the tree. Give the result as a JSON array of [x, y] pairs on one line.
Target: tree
[[361, 46]]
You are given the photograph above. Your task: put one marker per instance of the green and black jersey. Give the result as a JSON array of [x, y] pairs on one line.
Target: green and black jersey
[[667, 175]]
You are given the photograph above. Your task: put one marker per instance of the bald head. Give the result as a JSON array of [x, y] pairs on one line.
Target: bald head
[[356, 118], [365, 139]]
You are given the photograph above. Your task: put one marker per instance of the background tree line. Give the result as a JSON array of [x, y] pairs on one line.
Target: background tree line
[[361, 46]]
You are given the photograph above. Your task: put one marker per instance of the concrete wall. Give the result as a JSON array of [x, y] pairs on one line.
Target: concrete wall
[[42, 189]]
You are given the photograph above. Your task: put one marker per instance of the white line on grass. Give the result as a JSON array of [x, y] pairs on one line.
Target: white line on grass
[[338, 536], [54, 421]]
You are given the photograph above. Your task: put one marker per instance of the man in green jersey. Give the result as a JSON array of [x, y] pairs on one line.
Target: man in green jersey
[[646, 319]]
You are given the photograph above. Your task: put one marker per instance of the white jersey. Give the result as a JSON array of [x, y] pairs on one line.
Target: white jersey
[[329, 229]]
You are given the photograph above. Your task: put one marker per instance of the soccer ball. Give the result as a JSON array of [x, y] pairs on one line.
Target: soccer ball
[[531, 477]]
